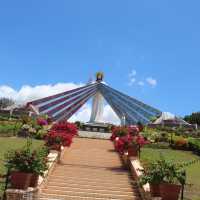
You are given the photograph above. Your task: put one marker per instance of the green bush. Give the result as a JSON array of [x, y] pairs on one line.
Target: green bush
[[179, 142], [164, 171], [194, 118], [9, 129], [194, 145], [40, 134]]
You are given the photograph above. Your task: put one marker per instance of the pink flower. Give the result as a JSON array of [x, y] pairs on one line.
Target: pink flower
[[42, 122]]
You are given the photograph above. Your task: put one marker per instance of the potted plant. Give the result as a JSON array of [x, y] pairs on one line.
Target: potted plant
[[165, 179], [55, 140], [154, 176], [25, 166], [174, 179], [118, 132], [132, 148], [61, 134]]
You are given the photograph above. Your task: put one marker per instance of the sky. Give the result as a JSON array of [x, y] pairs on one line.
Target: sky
[[147, 49]]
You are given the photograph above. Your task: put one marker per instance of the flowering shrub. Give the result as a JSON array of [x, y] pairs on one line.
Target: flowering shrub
[[27, 160], [34, 127], [42, 122], [66, 127], [141, 141], [133, 130], [127, 137], [182, 143], [61, 134], [58, 138], [122, 144], [179, 142], [119, 132]]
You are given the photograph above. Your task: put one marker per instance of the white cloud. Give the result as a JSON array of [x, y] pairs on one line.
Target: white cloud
[[132, 81], [83, 115], [132, 78], [110, 116], [140, 83], [151, 81], [132, 73], [29, 93]]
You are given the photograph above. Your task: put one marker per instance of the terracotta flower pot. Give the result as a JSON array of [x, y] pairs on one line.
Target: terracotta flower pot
[[34, 181], [132, 151], [56, 147], [169, 191], [20, 180], [155, 190]]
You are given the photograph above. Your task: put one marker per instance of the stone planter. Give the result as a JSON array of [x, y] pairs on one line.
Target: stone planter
[[169, 191], [20, 180]]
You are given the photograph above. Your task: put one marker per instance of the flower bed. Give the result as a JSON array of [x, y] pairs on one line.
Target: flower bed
[[158, 177]]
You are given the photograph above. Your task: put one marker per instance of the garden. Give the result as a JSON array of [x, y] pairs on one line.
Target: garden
[[170, 159], [24, 147], [170, 156]]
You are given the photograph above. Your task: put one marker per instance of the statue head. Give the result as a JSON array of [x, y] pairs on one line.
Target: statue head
[[99, 76]]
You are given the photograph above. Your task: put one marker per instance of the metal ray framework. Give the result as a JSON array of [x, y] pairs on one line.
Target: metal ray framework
[[64, 105]]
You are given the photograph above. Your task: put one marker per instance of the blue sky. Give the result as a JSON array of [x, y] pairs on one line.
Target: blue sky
[[49, 42]]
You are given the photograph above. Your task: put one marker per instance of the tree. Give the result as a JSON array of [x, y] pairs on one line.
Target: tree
[[194, 118], [6, 102]]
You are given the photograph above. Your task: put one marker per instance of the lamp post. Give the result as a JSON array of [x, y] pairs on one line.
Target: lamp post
[[123, 120]]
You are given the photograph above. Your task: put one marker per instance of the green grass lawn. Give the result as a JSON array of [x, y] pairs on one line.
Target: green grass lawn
[[8, 143], [193, 171]]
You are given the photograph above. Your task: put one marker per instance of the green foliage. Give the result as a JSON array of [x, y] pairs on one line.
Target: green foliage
[[79, 124], [163, 170], [194, 118], [6, 102], [179, 142], [194, 145], [153, 174], [31, 128], [155, 135], [10, 129], [40, 134], [150, 154], [27, 160]]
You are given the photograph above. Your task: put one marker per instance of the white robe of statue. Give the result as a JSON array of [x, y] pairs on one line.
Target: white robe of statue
[[97, 109]]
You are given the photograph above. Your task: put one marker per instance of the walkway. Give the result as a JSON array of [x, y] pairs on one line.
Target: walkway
[[90, 170]]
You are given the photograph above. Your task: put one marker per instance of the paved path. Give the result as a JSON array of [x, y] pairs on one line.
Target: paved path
[[90, 170]]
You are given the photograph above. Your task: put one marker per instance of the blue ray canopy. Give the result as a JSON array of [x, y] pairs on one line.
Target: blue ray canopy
[[64, 105]]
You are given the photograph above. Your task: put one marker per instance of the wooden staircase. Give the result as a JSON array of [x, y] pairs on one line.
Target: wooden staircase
[[90, 170]]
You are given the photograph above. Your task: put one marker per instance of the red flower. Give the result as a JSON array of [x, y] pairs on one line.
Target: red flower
[[133, 130], [61, 134], [64, 126], [141, 141]]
